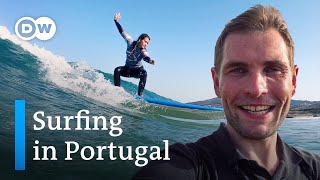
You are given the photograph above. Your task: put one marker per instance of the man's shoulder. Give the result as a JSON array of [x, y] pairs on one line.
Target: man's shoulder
[[310, 158], [187, 161], [181, 165], [307, 155], [201, 149], [195, 160], [310, 162]]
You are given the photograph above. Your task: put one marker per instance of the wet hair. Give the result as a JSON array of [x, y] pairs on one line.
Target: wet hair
[[257, 18], [142, 36]]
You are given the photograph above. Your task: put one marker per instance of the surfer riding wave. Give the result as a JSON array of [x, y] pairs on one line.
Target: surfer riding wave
[[136, 52]]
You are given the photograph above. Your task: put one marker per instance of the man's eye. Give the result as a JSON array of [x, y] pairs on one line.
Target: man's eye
[[238, 71], [273, 70]]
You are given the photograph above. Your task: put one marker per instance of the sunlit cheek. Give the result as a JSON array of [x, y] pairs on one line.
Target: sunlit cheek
[[282, 91], [229, 91], [230, 86], [283, 86]]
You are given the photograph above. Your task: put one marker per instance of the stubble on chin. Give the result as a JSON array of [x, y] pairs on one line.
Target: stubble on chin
[[253, 133]]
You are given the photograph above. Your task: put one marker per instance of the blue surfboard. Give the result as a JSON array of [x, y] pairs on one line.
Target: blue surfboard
[[180, 105]]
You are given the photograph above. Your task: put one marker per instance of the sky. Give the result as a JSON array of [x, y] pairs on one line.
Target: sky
[[183, 36]]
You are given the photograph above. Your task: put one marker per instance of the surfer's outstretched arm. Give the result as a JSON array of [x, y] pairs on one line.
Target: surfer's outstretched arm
[[117, 17], [147, 58], [125, 35]]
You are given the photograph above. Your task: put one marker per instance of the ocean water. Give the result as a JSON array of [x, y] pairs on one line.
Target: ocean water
[[49, 83]]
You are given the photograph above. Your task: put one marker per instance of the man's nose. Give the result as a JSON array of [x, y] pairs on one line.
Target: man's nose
[[256, 85]]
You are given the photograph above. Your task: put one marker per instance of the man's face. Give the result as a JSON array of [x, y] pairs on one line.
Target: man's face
[[256, 82]]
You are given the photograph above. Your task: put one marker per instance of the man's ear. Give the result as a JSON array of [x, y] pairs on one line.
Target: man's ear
[[294, 79], [215, 78]]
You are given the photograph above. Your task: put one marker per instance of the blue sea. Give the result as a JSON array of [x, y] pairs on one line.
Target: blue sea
[[49, 83]]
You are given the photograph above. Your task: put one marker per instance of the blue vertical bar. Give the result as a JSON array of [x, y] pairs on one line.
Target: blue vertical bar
[[20, 135]]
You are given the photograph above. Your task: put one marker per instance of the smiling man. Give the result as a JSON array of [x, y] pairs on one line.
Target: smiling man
[[255, 77]]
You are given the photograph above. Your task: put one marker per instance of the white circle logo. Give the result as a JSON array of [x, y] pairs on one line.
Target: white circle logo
[[43, 28]]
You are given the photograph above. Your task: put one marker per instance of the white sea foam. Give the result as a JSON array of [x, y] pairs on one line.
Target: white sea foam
[[79, 78]]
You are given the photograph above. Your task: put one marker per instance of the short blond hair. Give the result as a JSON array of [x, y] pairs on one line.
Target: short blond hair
[[257, 18]]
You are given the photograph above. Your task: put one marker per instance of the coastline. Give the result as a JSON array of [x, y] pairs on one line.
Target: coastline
[[301, 116], [305, 112]]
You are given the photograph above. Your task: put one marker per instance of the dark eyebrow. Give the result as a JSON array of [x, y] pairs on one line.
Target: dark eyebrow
[[276, 63], [243, 64], [234, 64]]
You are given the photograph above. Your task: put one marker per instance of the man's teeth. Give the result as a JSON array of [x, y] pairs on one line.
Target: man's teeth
[[259, 110]]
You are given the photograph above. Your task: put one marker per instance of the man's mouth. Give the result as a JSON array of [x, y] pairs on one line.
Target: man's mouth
[[257, 110]]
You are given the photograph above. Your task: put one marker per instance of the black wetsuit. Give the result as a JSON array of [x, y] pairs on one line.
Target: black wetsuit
[[133, 66]]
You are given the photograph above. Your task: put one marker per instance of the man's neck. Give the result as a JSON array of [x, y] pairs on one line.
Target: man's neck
[[264, 152]]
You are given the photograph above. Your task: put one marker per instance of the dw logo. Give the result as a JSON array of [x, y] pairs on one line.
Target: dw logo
[[43, 28]]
